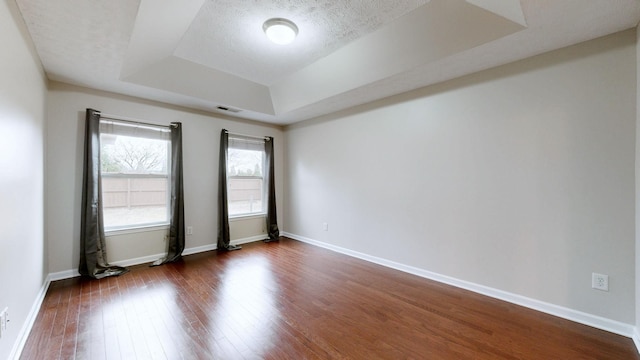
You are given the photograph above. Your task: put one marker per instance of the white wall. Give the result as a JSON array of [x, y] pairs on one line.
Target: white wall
[[201, 139], [519, 178], [22, 119], [143, 245], [637, 273], [136, 246]]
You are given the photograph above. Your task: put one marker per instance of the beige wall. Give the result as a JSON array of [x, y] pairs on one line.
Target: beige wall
[[142, 245], [519, 178], [201, 134], [136, 246], [637, 252], [22, 119]]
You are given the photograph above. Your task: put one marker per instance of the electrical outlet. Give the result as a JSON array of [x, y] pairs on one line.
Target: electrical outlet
[[325, 226], [600, 281], [189, 230], [4, 319]]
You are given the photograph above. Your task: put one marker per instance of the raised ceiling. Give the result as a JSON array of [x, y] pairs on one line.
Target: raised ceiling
[[208, 54]]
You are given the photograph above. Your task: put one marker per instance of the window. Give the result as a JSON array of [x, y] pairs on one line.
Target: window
[[245, 180], [134, 175]]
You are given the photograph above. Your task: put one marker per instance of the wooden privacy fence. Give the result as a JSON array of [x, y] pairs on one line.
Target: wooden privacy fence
[[151, 190], [244, 189], [245, 195], [133, 191]]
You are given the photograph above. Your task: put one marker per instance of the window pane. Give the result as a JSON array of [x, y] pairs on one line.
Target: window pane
[[245, 183], [134, 181], [244, 162], [130, 155], [244, 195]]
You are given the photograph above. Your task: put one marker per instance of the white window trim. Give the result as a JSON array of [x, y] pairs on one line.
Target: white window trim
[[247, 216], [255, 145], [136, 229], [153, 226]]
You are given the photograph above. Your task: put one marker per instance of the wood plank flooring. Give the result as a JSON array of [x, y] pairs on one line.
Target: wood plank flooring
[[290, 300]]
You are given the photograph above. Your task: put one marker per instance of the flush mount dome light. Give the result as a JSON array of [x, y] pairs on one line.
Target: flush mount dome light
[[280, 31]]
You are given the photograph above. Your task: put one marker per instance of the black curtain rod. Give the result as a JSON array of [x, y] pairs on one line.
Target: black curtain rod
[[131, 120], [248, 136]]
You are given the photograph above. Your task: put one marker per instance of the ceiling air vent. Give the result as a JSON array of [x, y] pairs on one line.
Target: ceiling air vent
[[224, 108]]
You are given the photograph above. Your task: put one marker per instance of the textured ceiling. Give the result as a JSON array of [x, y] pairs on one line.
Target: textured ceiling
[[224, 35], [204, 54]]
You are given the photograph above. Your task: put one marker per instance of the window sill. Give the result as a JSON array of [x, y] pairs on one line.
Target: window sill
[[247, 217], [138, 229]]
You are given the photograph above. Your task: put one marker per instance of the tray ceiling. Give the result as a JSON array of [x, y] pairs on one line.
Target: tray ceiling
[[210, 54]]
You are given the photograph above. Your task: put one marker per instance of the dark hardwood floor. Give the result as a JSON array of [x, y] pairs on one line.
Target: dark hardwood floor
[[290, 300]]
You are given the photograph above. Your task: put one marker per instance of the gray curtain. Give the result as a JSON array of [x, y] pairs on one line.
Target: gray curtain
[[93, 250], [272, 217], [176, 222], [223, 211]]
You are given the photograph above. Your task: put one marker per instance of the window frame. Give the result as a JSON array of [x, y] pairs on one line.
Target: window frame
[[254, 143], [141, 129]]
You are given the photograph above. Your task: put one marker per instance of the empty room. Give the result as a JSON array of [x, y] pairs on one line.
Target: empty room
[[317, 179]]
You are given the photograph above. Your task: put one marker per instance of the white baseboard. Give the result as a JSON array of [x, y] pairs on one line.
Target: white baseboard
[[199, 249], [18, 346], [61, 275], [249, 239], [139, 260], [211, 247], [595, 321], [636, 337], [68, 274], [189, 251]]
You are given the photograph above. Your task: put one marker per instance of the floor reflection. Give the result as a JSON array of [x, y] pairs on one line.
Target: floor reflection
[[246, 309], [145, 322]]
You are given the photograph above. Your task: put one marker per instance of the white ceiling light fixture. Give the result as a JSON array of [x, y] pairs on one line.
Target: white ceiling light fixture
[[280, 31]]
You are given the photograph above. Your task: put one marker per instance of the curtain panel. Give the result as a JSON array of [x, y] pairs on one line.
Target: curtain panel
[[93, 249], [245, 142], [176, 242], [272, 217], [224, 236]]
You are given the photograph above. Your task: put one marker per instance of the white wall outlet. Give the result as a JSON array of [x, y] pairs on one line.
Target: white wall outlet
[[4, 319], [600, 281], [189, 230], [325, 226]]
